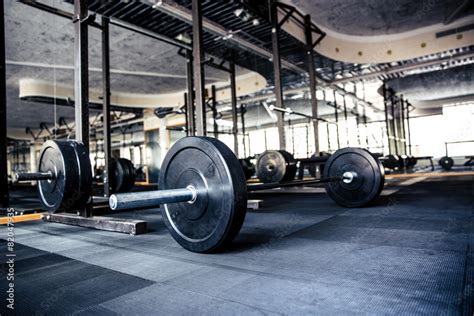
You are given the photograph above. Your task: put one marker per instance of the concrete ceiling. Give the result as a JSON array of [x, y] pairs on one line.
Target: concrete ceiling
[[379, 17], [37, 41], [457, 82]]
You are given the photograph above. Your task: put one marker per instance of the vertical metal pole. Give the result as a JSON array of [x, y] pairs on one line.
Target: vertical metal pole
[[81, 82], [233, 98], [214, 111], [81, 71], [337, 120], [408, 128], [345, 119], [4, 199], [186, 119], [106, 102], [198, 57], [242, 117], [277, 72], [366, 130], [312, 80], [394, 123], [190, 95], [402, 119], [387, 123]]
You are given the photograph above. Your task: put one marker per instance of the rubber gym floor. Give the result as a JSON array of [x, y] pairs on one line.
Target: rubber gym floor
[[410, 253]]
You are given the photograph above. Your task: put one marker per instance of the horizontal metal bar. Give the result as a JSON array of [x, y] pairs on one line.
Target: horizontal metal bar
[[58, 12], [267, 186], [150, 199], [34, 176]]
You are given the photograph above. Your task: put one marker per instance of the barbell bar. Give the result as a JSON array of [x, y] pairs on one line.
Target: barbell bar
[[190, 194]]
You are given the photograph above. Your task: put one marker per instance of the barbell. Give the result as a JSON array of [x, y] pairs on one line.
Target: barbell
[[203, 192], [202, 187], [64, 176]]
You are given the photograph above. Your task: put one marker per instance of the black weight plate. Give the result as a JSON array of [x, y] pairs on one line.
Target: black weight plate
[[312, 167], [69, 162], [291, 167], [216, 216], [271, 166], [128, 180], [248, 168], [446, 162], [391, 162], [85, 176], [365, 187], [116, 175]]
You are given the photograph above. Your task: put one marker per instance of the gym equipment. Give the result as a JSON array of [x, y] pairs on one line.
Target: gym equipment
[[122, 175], [446, 162], [248, 167], [64, 176], [276, 166], [315, 159], [366, 181], [204, 199]]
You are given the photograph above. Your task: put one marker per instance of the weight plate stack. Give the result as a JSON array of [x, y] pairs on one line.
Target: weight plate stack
[[367, 183], [122, 175], [70, 189], [215, 216], [446, 162], [276, 166], [391, 162], [248, 167], [129, 175], [312, 167]]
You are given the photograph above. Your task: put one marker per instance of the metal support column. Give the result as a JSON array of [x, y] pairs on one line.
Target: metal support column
[[312, 81], [81, 71], [336, 117], [387, 123], [186, 121], [345, 119], [4, 200], [81, 79], [190, 94], [277, 72], [242, 117], [214, 111], [402, 129], [394, 125], [198, 57], [106, 102], [233, 98], [408, 128]]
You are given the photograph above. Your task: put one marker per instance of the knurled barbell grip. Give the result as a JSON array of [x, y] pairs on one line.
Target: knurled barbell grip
[[151, 198], [33, 176]]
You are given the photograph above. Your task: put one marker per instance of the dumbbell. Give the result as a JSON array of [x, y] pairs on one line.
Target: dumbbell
[[204, 199]]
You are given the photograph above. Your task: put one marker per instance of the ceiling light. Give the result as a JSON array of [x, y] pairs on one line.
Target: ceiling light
[[238, 12], [157, 4], [184, 37], [256, 22]]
